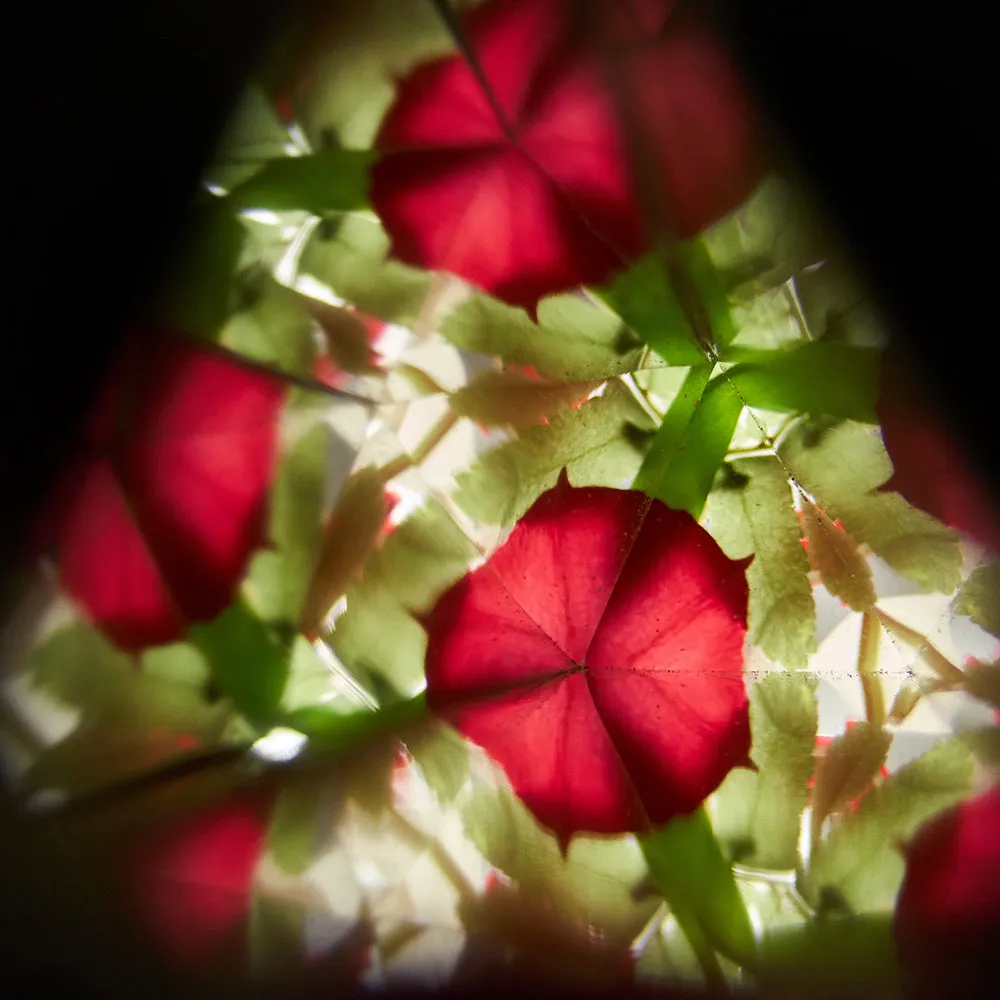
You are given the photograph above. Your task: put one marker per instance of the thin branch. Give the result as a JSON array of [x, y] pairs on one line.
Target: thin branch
[[871, 683], [458, 33], [926, 650], [303, 382]]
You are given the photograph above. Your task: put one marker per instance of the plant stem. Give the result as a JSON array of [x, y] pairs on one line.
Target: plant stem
[[871, 683], [431, 440], [926, 650]]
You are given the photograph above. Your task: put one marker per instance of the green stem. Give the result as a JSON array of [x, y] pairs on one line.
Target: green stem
[[926, 650], [431, 440], [871, 683]]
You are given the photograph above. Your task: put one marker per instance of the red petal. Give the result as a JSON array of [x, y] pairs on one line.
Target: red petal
[[598, 658], [949, 905], [159, 529], [541, 202], [193, 881]]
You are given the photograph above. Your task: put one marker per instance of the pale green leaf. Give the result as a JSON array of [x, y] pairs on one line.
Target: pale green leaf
[[841, 468], [594, 883], [349, 255], [573, 339], [725, 517], [443, 758], [731, 808], [377, 633], [860, 862], [846, 770], [515, 399], [272, 326], [295, 834], [783, 719], [834, 554], [979, 598], [593, 444], [349, 535], [365, 48], [837, 308], [770, 238], [279, 577], [782, 612], [982, 681], [131, 721], [253, 135]]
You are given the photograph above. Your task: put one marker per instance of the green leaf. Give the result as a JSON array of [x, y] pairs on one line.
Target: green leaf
[[272, 326], [860, 861], [979, 598], [294, 834], [349, 255], [592, 444], [279, 578], [511, 398], [841, 468], [254, 135], [347, 340], [249, 665], [276, 936], [364, 49], [573, 339], [982, 681], [443, 758], [595, 883], [684, 483], [645, 299], [833, 956], [198, 293], [130, 720], [783, 719], [834, 554], [725, 517], [837, 308], [350, 534], [849, 765], [694, 878], [820, 378], [424, 556], [770, 238], [332, 180], [782, 611], [669, 440]]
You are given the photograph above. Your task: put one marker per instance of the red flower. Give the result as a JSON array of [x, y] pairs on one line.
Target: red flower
[[947, 921], [929, 465], [530, 194], [598, 657], [191, 883], [159, 512]]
